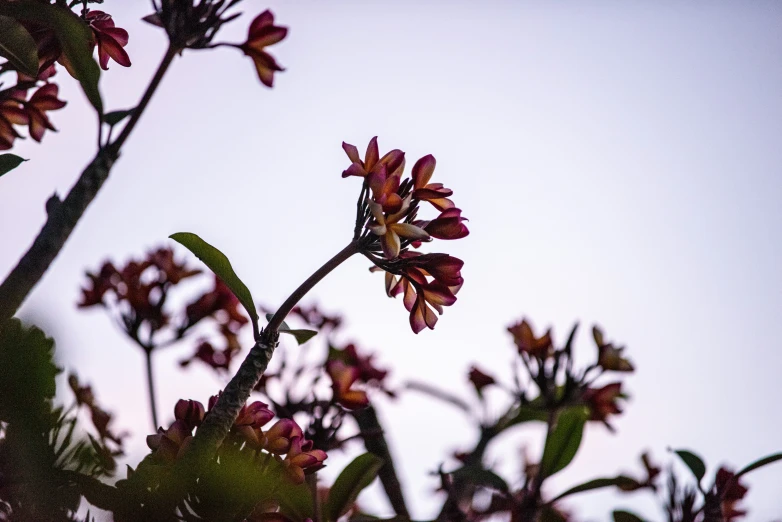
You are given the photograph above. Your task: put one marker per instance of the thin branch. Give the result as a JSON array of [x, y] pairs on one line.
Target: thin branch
[[63, 217]]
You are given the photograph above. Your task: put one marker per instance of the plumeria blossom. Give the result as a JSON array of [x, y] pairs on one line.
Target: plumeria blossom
[[42, 100], [602, 402], [434, 193], [528, 343], [11, 113], [109, 39], [343, 377], [393, 161], [263, 33], [302, 460], [388, 230], [610, 357]]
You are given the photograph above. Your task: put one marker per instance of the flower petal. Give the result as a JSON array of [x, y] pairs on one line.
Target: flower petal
[[423, 170]]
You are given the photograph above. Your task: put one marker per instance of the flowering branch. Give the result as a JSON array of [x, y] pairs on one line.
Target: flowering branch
[[63, 216]]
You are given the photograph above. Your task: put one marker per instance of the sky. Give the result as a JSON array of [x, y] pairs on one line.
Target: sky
[[619, 164]]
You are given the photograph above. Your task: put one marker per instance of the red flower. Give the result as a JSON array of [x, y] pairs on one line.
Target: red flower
[[434, 193], [609, 357], [109, 39], [527, 342], [448, 225], [343, 377], [479, 379], [44, 99], [263, 33], [302, 460], [169, 445], [393, 161], [190, 412], [277, 439], [12, 113], [731, 491], [602, 402]]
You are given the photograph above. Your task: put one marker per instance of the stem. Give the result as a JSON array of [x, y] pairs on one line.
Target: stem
[[151, 388], [306, 286], [312, 481], [62, 218], [375, 443]]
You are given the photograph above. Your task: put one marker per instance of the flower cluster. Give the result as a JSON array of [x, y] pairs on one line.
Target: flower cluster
[[284, 437], [224, 307], [138, 291], [388, 230], [17, 109]]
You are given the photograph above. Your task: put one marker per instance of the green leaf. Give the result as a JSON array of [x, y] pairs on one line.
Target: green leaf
[[301, 335], [620, 481], [759, 464], [481, 476], [9, 162], [626, 516], [27, 372], [564, 440], [114, 117], [694, 462], [221, 266], [295, 500], [18, 47], [354, 478], [75, 39]]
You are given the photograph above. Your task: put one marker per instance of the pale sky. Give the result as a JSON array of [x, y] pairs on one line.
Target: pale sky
[[619, 164]]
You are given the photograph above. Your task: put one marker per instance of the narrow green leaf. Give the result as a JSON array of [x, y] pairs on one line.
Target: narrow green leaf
[[626, 516], [301, 335], [75, 39], [18, 47], [114, 117], [9, 162], [221, 266], [759, 464], [354, 478], [694, 462], [295, 500], [564, 440], [620, 481], [481, 476]]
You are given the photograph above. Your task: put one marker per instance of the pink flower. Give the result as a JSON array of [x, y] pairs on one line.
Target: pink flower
[[42, 100], [302, 460], [393, 161], [109, 39], [343, 377], [434, 193], [261, 34]]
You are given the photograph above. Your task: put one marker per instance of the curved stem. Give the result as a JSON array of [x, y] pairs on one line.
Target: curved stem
[[306, 286], [63, 216], [151, 389]]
